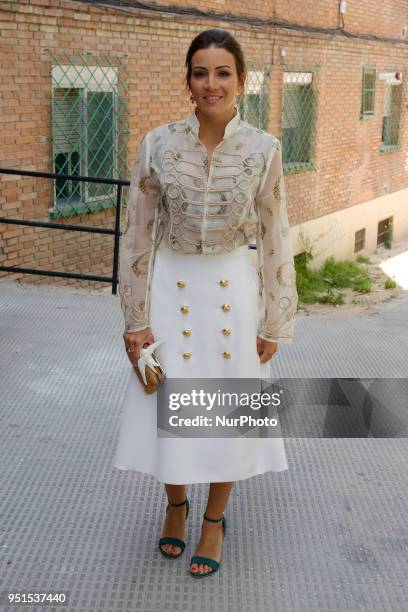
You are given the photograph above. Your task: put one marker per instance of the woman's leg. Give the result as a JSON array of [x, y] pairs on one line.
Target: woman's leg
[[175, 521], [210, 544]]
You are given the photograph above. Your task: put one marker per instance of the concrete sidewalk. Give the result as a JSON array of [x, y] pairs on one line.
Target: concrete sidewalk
[[329, 534]]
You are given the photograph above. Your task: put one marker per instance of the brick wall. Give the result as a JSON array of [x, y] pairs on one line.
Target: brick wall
[[384, 18], [349, 169]]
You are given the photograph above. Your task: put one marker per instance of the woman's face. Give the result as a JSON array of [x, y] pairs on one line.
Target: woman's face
[[214, 73]]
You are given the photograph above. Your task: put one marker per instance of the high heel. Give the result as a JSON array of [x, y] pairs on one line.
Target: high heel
[[215, 565], [174, 541]]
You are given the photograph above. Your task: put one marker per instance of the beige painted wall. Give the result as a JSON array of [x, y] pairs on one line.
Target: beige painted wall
[[333, 234]]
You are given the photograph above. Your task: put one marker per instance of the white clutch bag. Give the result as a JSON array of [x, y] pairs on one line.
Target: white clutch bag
[[149, 371]]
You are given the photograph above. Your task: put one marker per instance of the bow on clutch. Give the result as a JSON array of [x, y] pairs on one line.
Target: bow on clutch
[[149, 370]]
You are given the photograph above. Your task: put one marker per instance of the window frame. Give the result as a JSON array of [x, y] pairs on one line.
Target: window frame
[[85, 79], [360, 240], [364, 113], [251, 88], [385, 230], [310, 75], [386, 76]]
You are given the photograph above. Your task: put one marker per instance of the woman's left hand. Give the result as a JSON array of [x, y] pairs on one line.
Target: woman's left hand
[[265, 349]]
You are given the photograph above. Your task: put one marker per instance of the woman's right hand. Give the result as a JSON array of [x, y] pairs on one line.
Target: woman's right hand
[[134, 342]]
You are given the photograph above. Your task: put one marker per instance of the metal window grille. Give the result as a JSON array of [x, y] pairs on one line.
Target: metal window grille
[[384, 231], [391, 109], [368, 91], [298, 119], [89, 130], [359, 240], [253, 106]]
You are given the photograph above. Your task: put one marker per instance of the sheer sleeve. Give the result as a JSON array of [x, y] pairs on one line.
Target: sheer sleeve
[[138, 241], [276, 265]]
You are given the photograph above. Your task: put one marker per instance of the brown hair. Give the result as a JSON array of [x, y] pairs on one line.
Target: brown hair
[[220, 39]]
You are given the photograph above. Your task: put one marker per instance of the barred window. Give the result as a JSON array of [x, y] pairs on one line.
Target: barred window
[[391, 110], [368, 92], [384, 232], [253, 105], [298, 119], [359, 240], [89, 136]]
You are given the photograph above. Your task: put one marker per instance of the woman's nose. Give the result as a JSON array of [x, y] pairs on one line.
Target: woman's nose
[[211, 81]]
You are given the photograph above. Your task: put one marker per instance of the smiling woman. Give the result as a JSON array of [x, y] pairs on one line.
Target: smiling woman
[[202, 189], [216, 78]]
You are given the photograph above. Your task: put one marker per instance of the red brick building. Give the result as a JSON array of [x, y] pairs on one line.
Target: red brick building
[[82, 81]]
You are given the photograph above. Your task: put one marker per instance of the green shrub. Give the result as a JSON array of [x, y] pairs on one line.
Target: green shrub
[[308, 282], [362, 259], [320, 285], [331, 297], [345, 274], [362, 285]]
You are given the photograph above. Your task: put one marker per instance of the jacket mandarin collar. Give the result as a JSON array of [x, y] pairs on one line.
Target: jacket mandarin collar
[[230, 128]]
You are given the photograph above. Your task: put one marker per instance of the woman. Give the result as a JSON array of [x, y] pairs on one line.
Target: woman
[[202, 189]]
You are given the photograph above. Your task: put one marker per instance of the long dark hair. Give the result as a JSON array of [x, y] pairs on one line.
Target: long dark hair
[[220, 39]]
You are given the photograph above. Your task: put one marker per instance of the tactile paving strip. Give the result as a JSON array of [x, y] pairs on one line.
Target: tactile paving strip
[[329, 534]]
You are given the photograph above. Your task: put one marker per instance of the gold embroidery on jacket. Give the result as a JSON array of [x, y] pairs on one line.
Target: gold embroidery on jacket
[[276, 190], [206, 209], [137, 263], [146, 185]]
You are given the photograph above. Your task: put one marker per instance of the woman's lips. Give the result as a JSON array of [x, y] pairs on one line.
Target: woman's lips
[[213, 101]]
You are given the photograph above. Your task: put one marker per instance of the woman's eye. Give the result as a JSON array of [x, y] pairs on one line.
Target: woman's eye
[[199, 74]]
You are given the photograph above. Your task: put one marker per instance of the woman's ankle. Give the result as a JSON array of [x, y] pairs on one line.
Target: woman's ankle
[[176, 494]]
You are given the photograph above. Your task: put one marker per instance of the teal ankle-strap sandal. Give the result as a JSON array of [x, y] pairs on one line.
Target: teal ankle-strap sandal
[[174, 541], [215, 565]]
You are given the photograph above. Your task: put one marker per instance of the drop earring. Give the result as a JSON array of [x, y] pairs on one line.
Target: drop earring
[[192, 99]]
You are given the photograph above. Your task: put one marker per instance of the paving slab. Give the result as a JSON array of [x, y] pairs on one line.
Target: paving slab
[[329, 534]]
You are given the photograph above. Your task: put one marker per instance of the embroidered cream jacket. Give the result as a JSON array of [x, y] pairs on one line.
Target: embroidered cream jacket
[[177, 196]]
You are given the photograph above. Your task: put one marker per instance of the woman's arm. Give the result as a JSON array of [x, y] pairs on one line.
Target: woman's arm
[[275, 255], [138, 241]]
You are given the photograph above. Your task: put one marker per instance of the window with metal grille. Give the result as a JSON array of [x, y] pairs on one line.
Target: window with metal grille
[[391, 110], [298, 119], [89, 135], [368, 92], [253, 105], [384, 232], [359, 240]]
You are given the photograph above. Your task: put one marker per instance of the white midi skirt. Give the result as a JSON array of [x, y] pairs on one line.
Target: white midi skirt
[[198, 460]]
